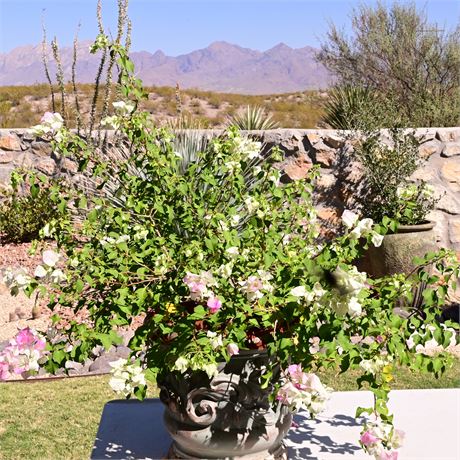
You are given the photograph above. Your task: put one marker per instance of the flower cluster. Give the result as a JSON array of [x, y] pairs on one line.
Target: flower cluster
[[123, 110], [183, 364], [16, 280], [126, 377], [375, 365], [419, 341], [349, 285], [50, 259], [361, 228], [254, 285], [199, 285], [50, 126], [303, 391], [381, 440], [22, 355]]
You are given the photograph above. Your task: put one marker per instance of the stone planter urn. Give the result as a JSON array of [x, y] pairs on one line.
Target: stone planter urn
[[227, 417], [397, 252]]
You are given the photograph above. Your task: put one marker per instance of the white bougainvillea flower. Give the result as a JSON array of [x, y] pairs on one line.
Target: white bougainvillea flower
[[181, 364], [235, 220], [58, 276], [349, 281], [299, 291], [40, 272], [377, 239], [123, 107], [111, 122], [233, 252], [22, 279], [215, 339], [363, 228], [50, 258], [251, 204], [211, 370], [349, 218], [354, 307]]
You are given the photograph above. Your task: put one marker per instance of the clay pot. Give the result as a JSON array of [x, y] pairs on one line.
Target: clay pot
[[227, 417], [398, 250]]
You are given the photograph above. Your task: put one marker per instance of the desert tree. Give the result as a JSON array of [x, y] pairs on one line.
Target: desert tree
[[398, 54]]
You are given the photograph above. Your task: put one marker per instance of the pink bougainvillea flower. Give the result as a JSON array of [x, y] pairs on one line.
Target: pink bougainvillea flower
[[4, 370], [388, 455], [368, 438], [233, 349], [25, 338], [214, 304]]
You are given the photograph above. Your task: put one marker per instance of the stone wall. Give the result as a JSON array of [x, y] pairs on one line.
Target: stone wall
[[303, 148]]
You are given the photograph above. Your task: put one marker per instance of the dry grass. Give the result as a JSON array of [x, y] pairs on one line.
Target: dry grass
[[22, 106]]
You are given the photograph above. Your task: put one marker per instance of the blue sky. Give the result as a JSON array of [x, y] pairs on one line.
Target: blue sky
[[178, 27]]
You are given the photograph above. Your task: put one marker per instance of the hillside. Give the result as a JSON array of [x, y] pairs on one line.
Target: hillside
[[220, 67], [22, 106]]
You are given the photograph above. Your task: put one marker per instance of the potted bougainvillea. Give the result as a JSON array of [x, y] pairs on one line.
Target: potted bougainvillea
[[216, 265]]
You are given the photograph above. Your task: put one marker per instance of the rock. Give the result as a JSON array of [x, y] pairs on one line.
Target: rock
[[296, 167], [6, 157], [324, 155], [47, 166], [333, 140], [425, 174], [42, 149], [25, 160], [451, 171], [328, 214], [451, 149], [12, 317], [454, 231], [448, 134], [73, 365], [28, 135], [314, 138], [69, 166], [433, 147], [122, 351], [425, 134], [101, 365], [448, 203], [10, 142], [20, 313], [440, 229], [325, 181]]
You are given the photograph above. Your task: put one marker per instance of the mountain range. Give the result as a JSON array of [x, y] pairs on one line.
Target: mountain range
[[220, 67]]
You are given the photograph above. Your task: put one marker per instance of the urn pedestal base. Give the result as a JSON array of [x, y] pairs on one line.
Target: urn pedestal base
[[279, 453]]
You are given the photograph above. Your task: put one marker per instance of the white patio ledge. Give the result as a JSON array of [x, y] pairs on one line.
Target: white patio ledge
[[430, 418]]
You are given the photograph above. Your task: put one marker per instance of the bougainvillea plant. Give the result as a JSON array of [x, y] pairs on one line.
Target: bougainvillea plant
[[213, 255]]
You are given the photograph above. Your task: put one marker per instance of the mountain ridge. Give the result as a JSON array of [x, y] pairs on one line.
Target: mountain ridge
[[220, 67]]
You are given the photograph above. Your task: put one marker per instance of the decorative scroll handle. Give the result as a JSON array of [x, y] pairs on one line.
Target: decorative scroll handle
[[206, 407]]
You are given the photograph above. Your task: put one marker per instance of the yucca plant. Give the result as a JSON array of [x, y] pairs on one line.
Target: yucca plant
[[346, 106], [253, 118]]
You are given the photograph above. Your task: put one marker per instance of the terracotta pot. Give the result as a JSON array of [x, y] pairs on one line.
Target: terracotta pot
[[226, 417]]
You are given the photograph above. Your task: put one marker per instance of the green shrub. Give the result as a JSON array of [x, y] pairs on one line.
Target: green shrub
[[385, 189], [27, 208]]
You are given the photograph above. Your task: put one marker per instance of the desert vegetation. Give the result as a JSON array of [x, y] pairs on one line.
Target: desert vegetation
[[22, 106], [396, 68]]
